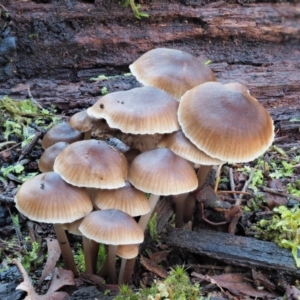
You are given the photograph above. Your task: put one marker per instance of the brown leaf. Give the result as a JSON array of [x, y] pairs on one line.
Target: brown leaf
[[60, 278], [53, 256], [159, 256], [153, 267], [238, 285], [273, 199]]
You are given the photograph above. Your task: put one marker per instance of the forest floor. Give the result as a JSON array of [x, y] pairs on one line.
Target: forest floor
[[267, 191]]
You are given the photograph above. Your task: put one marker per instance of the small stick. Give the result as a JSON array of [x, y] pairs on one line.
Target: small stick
[[14, 146], [239, 199], [279, 192], [27, 149], [232, 184], [234, 192]]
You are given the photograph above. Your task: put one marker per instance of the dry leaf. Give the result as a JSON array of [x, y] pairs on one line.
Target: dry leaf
[[53, 256], [273, 199], [238, 285], [60, 278], [292, 293]]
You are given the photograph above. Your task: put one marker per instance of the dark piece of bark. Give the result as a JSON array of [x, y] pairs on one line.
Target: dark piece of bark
[[6, 200], [153, 267], [234, 250]]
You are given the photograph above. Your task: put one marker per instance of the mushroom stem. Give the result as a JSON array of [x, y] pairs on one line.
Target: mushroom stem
[[129, 268], [179, 209], [111, 263], [148, 142], [218, 178], [202, 175], [87, 135], [144, 219], [121, 272], [65, 249], [87, 255], [94, 249]]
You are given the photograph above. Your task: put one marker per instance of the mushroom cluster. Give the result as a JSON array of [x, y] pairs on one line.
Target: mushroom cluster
[[92, 189]]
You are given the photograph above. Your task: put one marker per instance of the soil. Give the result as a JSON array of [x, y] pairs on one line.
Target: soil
[[50, 50]]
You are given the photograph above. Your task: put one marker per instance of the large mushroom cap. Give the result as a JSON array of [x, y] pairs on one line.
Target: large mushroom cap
[[180, 145], [47, 198], [92, 164], [162, 172], [171, 70], [127, 199], [61, 132], [225, 123], [111, 227], [144, 110]]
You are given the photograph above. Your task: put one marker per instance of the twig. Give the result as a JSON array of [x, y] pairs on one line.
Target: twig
[[31, 97], [278, 192], [6, 200], [239, 200], [14, 146], [234, 192], [232, 184], [27, 149]]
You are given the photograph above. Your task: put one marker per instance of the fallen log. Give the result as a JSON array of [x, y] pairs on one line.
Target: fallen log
[[232, 249]]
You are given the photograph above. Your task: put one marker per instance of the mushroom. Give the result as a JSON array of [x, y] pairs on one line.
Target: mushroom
[[47, 159], [61, 132], [180, 145], [141, 111], [47, 198], [82, 122], [112, 227], [126, 252], [225, 123], [171, 70], [161, 172], [127, 199], [92, 164]]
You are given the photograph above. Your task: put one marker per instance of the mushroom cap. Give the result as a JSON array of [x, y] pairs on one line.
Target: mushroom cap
[[181, 145], [225, 123], [143, 110], [127, 199], [82, 122], [92, 164], [47, 159], [47, 198], [111, 227], [128, 251], [171, 70], [162, 172], [61, 132], [73, 227]]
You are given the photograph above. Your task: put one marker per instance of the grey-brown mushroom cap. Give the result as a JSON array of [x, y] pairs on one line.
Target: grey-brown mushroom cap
[[47, 159], [182, 146], [171, 70], [111, 227], [49, 199], [225, 123], [92, 164], [61, 132], [162, 172], [143, 110], [82, 122], [127, 199]]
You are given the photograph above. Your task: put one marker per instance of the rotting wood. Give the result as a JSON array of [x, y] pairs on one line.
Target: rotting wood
[[232, 249]]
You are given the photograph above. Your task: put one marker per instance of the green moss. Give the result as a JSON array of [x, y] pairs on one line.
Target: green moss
[[135, 8], [283, 229], [152, 227], [175, 287]]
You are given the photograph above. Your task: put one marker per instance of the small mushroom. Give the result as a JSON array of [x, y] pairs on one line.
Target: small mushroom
[[111, 227], [61, 132]]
